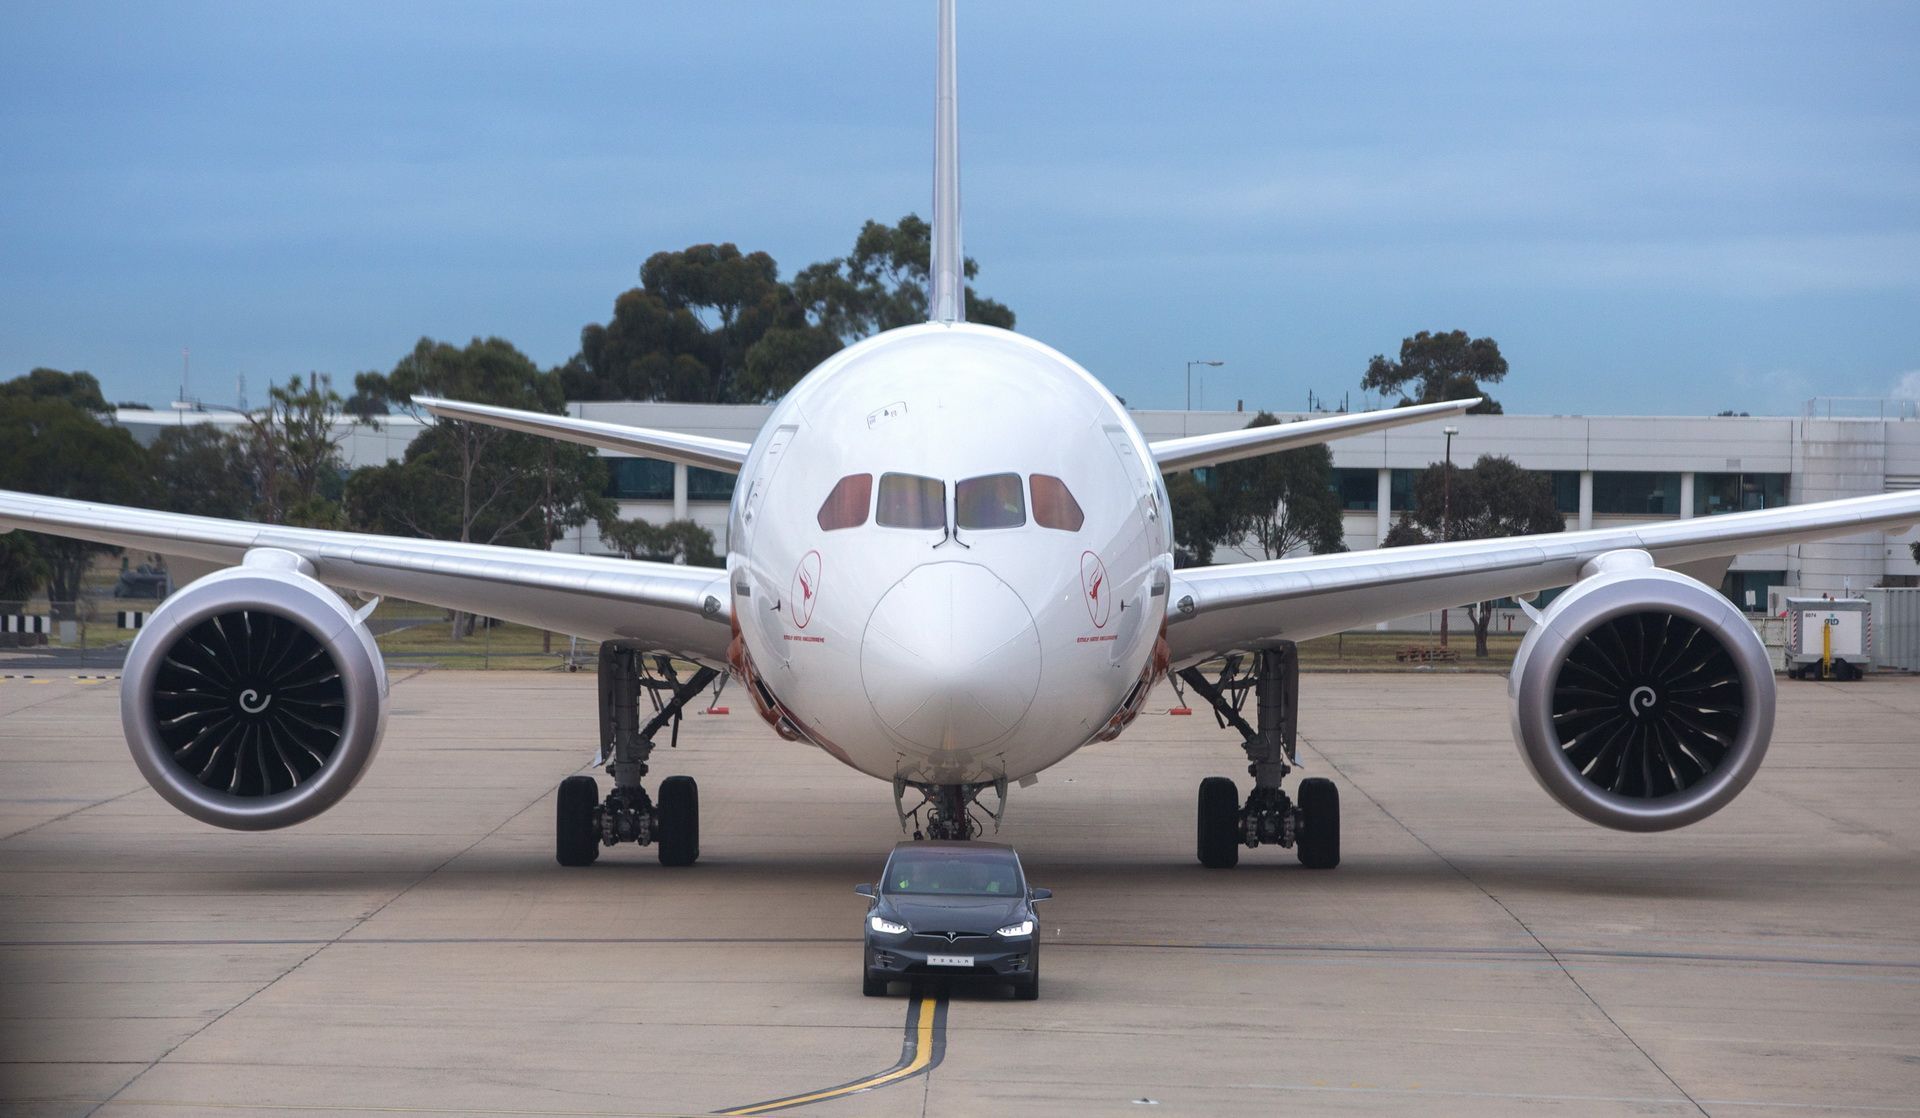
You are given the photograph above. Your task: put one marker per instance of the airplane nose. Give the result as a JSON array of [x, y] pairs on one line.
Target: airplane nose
[[950, 659]]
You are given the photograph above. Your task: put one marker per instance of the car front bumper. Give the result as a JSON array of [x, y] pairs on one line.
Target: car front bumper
[[907, 957]]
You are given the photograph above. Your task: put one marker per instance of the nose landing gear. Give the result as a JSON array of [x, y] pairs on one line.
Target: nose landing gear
[[583, 823], [949, 809], [1268, 817]]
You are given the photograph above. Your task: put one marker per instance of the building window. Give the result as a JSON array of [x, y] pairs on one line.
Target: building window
[[709, 485], [1400, 489], [1634, 494], [1738, 584], [1358, 490], [1566, 491], [639, 479], [1717, 493]]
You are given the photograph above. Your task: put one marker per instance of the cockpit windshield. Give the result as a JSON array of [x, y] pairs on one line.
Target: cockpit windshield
[[1054, 506], [994, 501], [979, 503], [846, 506], [911, 501]]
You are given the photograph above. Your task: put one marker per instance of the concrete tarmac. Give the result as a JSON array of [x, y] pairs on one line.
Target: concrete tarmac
[[1480, 951]]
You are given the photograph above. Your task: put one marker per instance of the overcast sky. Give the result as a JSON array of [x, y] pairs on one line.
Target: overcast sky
[[1655, 209]]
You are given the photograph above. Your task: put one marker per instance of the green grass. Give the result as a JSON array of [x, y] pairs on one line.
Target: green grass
[[1370, 650], [504, 647]]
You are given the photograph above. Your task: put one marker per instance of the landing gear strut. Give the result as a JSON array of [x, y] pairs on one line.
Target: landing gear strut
[[583, 823], [1268, 817], [949, 809]]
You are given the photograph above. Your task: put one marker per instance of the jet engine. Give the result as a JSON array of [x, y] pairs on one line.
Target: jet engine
[[255, 697], [1642, 700]]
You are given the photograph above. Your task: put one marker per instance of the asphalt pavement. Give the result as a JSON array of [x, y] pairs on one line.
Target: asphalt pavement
[[1480, 951]]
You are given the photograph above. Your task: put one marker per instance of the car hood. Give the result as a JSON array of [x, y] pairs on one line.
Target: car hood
[[956, 914]]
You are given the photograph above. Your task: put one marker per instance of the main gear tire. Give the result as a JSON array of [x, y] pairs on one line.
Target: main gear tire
[[679, 809], [1318, 840], [575, 842], [1217, 833]]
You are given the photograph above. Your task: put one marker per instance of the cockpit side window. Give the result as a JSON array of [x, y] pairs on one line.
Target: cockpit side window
[[994, 501], [911, 501], [1054, 506], [846, 506]]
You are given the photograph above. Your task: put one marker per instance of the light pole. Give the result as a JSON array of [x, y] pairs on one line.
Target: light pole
[[1446, 513], [1190, 365]]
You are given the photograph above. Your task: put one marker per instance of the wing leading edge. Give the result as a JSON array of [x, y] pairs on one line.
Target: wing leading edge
[[680, 610], [724, 455], [1194, 451], [1221, 609]]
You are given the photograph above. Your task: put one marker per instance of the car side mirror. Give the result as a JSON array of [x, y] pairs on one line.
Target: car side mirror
[[1041, 894], [864, 890]]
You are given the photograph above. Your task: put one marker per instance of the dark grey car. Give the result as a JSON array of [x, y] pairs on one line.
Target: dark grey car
[[952, 910]]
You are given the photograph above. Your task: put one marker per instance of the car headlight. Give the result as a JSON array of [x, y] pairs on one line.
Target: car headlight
[[879, 924], [1023, 928]]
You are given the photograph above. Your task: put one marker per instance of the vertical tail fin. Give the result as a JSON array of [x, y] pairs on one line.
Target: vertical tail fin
[[947, 280]]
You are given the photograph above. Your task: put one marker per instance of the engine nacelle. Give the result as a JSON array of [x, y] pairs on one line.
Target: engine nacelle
[[254, 698], [1642, 700]]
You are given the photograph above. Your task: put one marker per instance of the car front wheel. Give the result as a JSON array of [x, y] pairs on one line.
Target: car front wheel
[[1028, 988]]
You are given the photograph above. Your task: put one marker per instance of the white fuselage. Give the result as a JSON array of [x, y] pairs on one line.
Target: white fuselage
[[940, 653]]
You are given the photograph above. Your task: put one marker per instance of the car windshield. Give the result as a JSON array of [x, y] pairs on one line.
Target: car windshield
[[953, 873]]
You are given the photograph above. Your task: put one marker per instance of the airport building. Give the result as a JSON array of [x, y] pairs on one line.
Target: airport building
[[1605, 470]]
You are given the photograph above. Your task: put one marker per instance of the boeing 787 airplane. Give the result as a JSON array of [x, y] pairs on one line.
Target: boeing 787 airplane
[[949, 565]]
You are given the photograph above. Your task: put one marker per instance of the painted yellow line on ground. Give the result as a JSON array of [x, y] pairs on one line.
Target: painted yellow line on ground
[[924, 1047]]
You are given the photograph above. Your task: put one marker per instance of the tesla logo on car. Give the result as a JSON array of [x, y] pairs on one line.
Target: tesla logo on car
[[806, 588], [1093, 583]]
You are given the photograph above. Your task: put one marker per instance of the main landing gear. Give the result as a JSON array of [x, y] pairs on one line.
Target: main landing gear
[[583, 823], [1312, 826]]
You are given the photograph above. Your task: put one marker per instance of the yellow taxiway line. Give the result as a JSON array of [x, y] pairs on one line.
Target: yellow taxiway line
[[924, 1048]]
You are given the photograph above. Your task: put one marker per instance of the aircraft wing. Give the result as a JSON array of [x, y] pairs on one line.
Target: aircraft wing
[[1215, 610], [667, 608], [1226, 446], [724, 455]]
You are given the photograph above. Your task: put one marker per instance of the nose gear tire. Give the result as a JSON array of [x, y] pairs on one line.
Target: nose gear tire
[[575, 842], [1217, 837], [679, 808], [1318, 842]]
